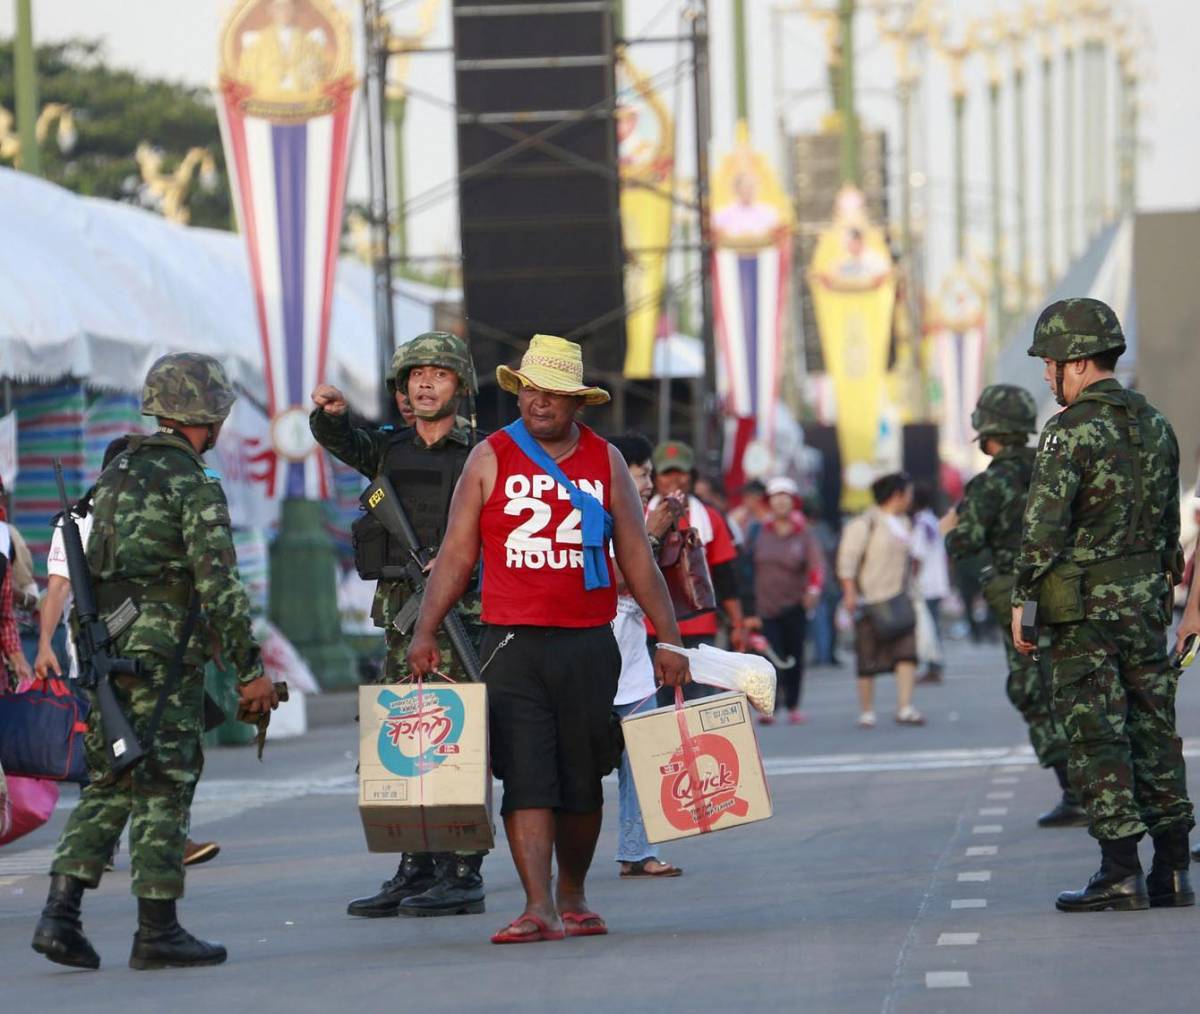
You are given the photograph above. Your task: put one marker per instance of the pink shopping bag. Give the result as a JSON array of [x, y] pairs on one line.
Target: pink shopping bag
[[31, 800]]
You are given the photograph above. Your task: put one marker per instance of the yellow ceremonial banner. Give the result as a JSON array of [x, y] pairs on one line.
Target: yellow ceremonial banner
[[646, 141], [854, 290]]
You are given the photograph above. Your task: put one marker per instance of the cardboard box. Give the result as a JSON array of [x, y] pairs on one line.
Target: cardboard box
[[724, 750], [424, 778]]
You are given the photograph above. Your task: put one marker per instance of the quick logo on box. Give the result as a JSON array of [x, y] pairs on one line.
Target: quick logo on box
[[421, 730], [719, 772]]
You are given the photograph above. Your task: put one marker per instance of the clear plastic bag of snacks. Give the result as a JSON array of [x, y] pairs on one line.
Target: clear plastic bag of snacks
[[753, 675]]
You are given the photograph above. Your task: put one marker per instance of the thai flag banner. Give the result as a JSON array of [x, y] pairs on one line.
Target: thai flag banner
[[752, 234], [284, 102]]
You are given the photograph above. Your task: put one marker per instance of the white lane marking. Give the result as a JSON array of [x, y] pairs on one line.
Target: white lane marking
[[1012, 769], [987, 829], [968, 903], [1000, 795], [982, 850], [1006, 781], [957, 939], [27, 863], [975, 876], [947, 980], [994, 811]]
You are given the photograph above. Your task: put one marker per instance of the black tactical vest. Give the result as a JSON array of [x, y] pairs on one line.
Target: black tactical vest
[[424, 481]]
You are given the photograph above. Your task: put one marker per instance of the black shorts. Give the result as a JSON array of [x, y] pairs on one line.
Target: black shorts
[[550, 714]]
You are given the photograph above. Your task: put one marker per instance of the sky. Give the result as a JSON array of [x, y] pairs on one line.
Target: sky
[[177, 40]]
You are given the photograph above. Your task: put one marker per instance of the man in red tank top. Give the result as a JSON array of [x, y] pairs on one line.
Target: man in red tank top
[[549, 658]]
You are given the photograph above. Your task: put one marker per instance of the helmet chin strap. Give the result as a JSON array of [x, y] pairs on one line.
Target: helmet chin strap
[[211, 440], [1060, 394], [449, 409]]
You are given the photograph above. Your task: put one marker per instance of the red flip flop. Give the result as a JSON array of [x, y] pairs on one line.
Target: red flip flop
[[574, 924], [508, 935]]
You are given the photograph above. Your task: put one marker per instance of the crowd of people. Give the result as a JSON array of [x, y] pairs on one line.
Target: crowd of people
[[583, 568]]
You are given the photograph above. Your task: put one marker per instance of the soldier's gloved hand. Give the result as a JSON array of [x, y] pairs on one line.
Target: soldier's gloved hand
[[329, 398], [258, 696], [1019, 642], [423, 655]]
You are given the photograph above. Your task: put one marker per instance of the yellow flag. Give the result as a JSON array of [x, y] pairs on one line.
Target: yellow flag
[[854, 290], [646, 141]]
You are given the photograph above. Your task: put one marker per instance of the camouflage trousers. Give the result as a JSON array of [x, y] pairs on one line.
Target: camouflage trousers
[[1027, 689], [1115, 693], [154, 797]]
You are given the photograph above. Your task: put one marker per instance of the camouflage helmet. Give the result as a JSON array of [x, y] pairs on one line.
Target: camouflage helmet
[[1004, 409], [1076, 329], [188, 387], [433, 348]]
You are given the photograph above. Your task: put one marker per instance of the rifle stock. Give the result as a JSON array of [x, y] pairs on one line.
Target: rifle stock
[[93, 646], [381, 501]]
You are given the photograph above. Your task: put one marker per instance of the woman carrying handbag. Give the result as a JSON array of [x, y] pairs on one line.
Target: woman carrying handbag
[[874, 565]]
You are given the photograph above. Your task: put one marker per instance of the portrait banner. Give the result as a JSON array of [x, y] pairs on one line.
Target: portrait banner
[[854, 290], [752, 243], [957, 329], [284, 103]]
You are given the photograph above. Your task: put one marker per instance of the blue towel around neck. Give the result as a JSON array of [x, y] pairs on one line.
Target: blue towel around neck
[[597, 523]]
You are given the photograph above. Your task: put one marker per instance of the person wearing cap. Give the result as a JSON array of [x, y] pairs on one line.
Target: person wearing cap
[[543, 500], [788, 573], [1100, 556], [161, 538], [431, 375], [989, 519], [674, 472]]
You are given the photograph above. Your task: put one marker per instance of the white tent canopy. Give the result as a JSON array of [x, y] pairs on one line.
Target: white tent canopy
[[98, 290]]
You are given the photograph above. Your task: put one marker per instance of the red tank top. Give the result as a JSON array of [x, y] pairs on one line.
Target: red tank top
[[533, 544]]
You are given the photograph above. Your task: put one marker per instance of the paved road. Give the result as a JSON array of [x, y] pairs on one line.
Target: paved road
[[902, 872]]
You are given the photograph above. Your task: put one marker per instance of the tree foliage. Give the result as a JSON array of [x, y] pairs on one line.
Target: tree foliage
[[115, 110]]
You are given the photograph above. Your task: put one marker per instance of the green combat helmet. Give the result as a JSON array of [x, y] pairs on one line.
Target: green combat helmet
[[190, 388], [1076, 329], [433, 348], [1004, 409]]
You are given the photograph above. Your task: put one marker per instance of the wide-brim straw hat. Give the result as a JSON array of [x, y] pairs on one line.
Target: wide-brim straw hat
[[554, 365]]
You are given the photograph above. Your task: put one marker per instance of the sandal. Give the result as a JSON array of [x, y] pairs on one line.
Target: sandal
[[638, 869], [509, 934], [574, 923]]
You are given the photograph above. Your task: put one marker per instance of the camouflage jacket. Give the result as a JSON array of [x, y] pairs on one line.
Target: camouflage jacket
[[363, 450], [992, 508], [1083, 504], [162, 528]]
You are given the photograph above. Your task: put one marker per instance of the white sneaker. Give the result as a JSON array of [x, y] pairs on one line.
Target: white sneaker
[[866, 720], [909, 716]]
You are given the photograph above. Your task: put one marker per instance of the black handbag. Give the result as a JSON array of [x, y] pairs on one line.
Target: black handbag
[[892, 618]]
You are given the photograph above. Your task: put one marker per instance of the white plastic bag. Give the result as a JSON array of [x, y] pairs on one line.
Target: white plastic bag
[[753, 675]]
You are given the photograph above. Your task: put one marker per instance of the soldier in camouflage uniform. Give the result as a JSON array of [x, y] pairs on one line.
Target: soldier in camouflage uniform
[[1100, 555], [423, 462], [989, 518], [161, 537]]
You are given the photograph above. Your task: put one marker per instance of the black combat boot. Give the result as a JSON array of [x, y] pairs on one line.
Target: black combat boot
[[1068, 812], [458, 890], [1169, 884], [414, 875], [160, 942], [59, 933], [1117, 885]]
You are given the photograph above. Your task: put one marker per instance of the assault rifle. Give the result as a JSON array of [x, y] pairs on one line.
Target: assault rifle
[[381, 501], [94, 637]]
